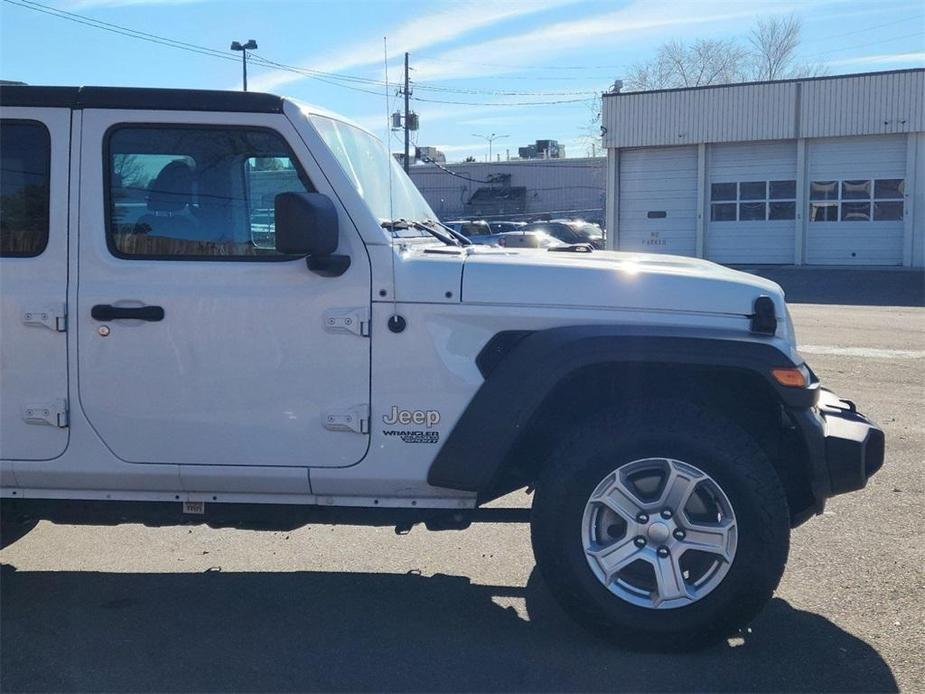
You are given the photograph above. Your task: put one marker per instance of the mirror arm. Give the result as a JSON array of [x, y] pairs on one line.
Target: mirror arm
[[328, 265]]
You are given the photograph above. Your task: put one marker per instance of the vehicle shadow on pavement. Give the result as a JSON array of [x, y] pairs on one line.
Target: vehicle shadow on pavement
[[315, 631]]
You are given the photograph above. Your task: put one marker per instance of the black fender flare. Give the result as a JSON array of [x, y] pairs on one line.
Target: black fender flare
[[521, 368]]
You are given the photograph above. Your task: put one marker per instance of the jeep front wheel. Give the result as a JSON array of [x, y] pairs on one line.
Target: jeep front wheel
[[661, 525]]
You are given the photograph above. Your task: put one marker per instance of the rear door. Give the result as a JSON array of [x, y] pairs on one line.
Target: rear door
[[198, 343], [34, 148]]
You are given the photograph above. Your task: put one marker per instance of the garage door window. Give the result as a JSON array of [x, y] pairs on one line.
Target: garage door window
[[856, 200], [25, 148], [888, 199], [753, 201]]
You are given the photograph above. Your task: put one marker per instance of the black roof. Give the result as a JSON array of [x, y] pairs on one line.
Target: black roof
[[140, 98]]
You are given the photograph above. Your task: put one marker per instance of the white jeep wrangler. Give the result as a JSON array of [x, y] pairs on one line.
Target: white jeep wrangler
[[236, 309]]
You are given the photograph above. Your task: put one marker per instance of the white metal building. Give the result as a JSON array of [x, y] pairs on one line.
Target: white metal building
[[819, 171], [553, 188]]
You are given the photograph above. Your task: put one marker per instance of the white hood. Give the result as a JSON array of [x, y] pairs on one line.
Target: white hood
[[609, 279]]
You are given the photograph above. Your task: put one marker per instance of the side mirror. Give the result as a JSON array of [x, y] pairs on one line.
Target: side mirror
[[306, 224]]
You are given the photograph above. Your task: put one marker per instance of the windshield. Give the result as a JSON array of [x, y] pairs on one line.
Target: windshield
[[369, 166]]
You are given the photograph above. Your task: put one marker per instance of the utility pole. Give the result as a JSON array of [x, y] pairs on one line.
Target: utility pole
[[410, 120], [407, 92], [244, 48]]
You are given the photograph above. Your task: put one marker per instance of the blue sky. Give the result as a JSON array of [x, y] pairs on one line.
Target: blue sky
[[491, 54]]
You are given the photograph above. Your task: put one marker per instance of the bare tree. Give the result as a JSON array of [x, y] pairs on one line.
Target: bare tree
[[768, 53], [591, 138], [704, 62], [774, 42]]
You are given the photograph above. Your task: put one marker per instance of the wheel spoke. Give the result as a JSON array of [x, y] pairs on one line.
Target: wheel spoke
[[678, 488], [613, 558], [669, 578], [713, 538], [619, 500]]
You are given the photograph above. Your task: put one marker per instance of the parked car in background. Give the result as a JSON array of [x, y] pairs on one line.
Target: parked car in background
[[570, 231], [474, 230], [528, 239], [504, 227]]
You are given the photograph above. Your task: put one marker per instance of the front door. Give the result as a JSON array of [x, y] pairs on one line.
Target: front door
[[198, 342]]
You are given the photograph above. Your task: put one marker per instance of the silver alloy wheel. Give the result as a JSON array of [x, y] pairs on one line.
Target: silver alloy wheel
[[659, 533]]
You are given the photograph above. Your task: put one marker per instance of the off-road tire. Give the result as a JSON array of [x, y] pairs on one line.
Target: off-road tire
[[665, 429]]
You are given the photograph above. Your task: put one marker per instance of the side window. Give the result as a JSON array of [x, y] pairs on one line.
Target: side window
[[196, 192], [25, 151]]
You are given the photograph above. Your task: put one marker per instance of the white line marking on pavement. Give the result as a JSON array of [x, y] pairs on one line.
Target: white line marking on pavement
[[866, 352]]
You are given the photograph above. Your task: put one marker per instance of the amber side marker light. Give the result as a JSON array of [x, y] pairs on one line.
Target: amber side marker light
[[794, 378]]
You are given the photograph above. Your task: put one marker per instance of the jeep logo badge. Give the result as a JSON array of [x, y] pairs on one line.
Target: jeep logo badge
[[428, 418]]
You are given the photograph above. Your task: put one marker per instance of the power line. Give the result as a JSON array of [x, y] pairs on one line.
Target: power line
[[865, 30], [453, 173], [192, 48], [865, 45], [522, 67], [336, 79], [500, 103], [493, 92]]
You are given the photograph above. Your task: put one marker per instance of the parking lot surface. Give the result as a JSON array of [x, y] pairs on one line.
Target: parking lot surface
[[349, 609]]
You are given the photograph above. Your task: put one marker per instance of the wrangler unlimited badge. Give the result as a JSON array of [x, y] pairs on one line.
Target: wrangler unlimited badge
[[426, 418]]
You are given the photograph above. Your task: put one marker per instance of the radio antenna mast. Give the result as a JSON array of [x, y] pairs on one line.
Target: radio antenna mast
[[396, 322]]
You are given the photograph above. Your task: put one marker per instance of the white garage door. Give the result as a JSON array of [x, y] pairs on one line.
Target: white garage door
[[658, 200], [752, 211], [855, 200]]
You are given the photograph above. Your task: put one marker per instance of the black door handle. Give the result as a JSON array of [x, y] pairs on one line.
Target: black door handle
[[106, 312]]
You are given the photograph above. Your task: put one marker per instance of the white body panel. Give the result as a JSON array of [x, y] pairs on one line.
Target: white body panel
[[442, 375], [33, 357], [609, 280]]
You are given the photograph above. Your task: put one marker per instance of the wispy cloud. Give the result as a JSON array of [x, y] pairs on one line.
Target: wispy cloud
[[632, 24], [94, 4], [441, 26], [883, 58]]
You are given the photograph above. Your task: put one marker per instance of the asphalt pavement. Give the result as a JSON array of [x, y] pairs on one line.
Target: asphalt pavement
[[360, 609]]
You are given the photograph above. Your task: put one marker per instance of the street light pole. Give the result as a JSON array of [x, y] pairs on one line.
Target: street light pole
[[491, 138], [244, 48]]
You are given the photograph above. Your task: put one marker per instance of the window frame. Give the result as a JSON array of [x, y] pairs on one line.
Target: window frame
[[163, 125], [738, 201], [47, 131], [871, 201], [900, 199]]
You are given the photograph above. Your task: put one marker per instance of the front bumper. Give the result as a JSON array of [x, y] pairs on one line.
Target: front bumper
[[844, 447]]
